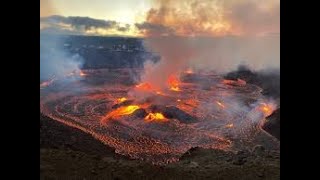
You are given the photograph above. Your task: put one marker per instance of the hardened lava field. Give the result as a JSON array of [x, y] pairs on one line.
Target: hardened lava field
[[158, 125]]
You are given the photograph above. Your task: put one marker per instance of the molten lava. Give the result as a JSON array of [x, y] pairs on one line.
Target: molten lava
[[121, 111], [120, 100], [155, 117], [144, 86], [220, 104], [174, 88], [173, 83], [230, 125], [266, 109], [163, 126]]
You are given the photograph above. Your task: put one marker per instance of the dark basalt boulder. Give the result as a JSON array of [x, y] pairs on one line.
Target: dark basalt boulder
[[272, 126], [139, 113], [172, 112]]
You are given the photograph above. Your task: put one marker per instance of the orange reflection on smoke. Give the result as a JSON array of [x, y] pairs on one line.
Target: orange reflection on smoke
[[82, 74], [189, 71], [144, 86], [45, 84], [160, 93], [173, 83]]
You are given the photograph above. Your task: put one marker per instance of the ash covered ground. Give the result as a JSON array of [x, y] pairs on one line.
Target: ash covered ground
[[82, 134]]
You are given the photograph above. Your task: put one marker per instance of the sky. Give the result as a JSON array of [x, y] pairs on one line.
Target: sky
[[125, 11], [160, 17]]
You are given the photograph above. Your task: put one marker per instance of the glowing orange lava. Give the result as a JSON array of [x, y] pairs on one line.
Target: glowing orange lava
[[120, 100], [175, 89], [173, 83], [155, 117], [121, 111], [157, 125], [230, 125], [160, 93], [220, 104], [266, 109], [144, 86]]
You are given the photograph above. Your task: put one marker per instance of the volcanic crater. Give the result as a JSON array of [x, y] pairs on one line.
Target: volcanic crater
[[197, 109]]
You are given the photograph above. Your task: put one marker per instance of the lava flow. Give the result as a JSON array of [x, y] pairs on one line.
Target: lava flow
[[155, 117], [121, 111], [120, 100], [173, 83], [267, 108], [163, 124]]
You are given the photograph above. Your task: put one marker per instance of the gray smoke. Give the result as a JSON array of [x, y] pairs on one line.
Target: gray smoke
[[219, 54], [227, 53], [267, 79], [55, 60]]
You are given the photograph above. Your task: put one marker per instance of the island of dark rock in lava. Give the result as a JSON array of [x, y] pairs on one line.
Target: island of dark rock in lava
[[159, 126]]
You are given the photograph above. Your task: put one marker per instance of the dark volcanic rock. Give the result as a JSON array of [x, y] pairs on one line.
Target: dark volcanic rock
[[239, 161], [172, 112], [272, 125], [190, 152], [269, 81], [140, 113], [124, 103], [157, 108], [240, 158], [258, 150], [56, 135]]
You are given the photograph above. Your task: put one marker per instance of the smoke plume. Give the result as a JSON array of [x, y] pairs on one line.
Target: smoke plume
[[212, 35], [55, 61], [212, 17]]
